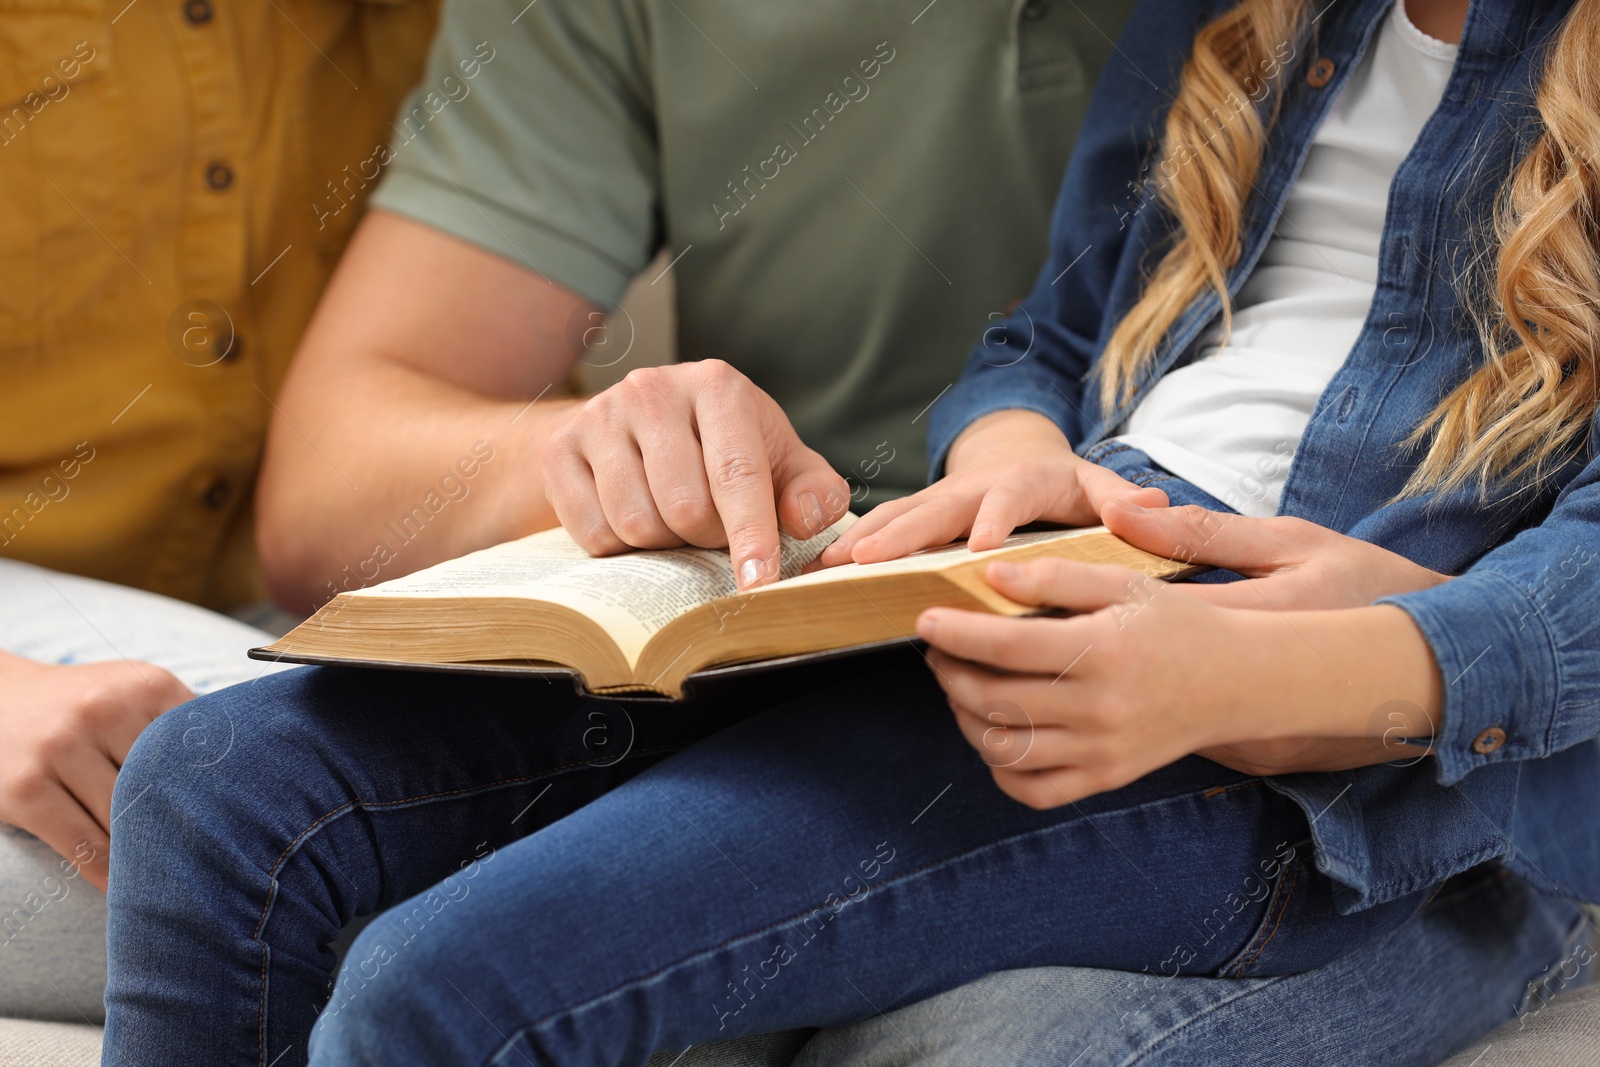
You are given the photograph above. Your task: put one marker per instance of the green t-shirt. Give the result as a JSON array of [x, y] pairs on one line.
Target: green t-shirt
[[853, 189]]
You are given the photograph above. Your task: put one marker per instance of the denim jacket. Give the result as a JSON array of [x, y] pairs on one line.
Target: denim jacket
[[1517, 633]]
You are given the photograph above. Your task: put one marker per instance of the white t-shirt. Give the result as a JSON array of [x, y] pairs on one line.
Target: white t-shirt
[[1230, 420]]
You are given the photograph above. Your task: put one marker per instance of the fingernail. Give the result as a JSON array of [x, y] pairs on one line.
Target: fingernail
[[1005, 572], [811, 512], [927, 624], [1130, 505], [750, 572], [983, 529]]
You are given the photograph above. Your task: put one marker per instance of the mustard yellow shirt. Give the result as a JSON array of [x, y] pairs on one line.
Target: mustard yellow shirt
[[177, 179]]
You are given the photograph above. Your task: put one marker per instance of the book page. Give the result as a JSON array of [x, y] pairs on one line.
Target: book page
[[930, 559], [632, 596]]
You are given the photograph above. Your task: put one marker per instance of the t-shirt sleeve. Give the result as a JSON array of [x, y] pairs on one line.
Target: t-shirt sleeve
[[533, 135]]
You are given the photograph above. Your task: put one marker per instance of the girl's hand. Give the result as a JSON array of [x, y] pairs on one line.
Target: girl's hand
[[1290, 564], [1007, 469], [1064, 708], [1295, 755]]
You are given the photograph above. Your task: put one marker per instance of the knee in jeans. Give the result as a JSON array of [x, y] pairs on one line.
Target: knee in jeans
[[185, 769]]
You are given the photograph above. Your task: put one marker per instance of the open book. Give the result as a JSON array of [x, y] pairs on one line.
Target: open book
[[645, 622]]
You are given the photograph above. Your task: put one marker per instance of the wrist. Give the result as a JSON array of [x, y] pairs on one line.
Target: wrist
[[1350, 673], [1004, 432], [521, 505]]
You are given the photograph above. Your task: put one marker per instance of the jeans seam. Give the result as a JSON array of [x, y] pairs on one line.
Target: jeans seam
[[1097, 454], [1221, 789], [345, 809], [1281, 910], [897, 880], [1251, 987]]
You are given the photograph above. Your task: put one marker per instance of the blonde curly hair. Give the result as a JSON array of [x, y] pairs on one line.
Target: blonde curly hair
[[1529, 407]]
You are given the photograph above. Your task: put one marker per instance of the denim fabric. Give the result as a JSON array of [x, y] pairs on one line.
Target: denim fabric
[[1477, 953], [1515, 634], [1485, 946], [716, 889], [1132, 464], [567, 881]]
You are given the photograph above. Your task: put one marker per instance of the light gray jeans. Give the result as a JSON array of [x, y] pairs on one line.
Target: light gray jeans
[[52, 922]]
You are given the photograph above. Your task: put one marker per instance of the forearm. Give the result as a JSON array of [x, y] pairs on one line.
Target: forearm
[[403, 434], [1354, 673], [374, 470]]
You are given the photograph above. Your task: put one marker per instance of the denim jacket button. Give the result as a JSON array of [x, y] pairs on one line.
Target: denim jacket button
[[1320, 74], [1489, 741]]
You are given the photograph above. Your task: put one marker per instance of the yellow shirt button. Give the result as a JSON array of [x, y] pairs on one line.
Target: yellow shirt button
[[198, 12], [218, 494], [1489, 741], [219, 176]]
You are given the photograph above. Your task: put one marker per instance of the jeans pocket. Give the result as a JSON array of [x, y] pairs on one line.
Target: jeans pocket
[[1302, 928]]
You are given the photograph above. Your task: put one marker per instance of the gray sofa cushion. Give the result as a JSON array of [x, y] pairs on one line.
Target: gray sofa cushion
[[24, 1043], [1563, 1033]]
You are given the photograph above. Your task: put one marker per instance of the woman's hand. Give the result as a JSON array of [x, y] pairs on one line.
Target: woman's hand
[[1064, 708], [1007, 469], [64, 732], [1290, 564]]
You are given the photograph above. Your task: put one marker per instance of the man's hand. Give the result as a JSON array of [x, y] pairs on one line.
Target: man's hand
[[1290, 564], [64, 732], [689, 454]]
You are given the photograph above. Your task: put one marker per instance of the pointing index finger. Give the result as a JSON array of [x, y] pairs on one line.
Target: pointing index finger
[[739, 474]]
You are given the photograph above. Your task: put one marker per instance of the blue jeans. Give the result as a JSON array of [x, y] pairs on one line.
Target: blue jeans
[[566, 881], [1456, 969], [806, 865]]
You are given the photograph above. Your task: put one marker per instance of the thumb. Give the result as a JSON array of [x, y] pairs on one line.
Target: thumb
[[1099, 486], [811, 494], [1193, 534]]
